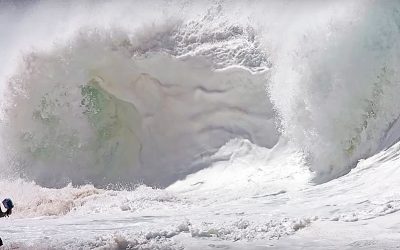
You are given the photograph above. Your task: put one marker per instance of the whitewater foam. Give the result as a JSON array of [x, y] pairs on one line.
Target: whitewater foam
[[335, 84]]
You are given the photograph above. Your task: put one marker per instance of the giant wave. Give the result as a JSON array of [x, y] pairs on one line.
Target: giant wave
[[106, 102]]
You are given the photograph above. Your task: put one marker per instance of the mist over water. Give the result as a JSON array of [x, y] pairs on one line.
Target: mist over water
[[123, 92]]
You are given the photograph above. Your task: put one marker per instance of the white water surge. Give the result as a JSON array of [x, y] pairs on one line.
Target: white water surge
[[261, 123]]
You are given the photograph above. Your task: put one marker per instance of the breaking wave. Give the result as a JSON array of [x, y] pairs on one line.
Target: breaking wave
[[148, 105], [335, 84], [150, 98]]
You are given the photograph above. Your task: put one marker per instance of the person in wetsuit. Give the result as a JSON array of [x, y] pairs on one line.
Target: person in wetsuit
[[7, 207]]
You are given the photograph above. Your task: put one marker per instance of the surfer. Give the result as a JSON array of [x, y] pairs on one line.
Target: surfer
[[5, 210]]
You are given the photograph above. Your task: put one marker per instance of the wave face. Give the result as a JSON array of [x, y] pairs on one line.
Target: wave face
[[148, 92], [149, 105]]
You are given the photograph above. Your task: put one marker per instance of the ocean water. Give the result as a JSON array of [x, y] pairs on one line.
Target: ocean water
[[200, 124]]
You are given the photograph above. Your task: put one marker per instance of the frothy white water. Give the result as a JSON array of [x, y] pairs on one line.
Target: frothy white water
[[230, 102], [240, 164], [336, 81]]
